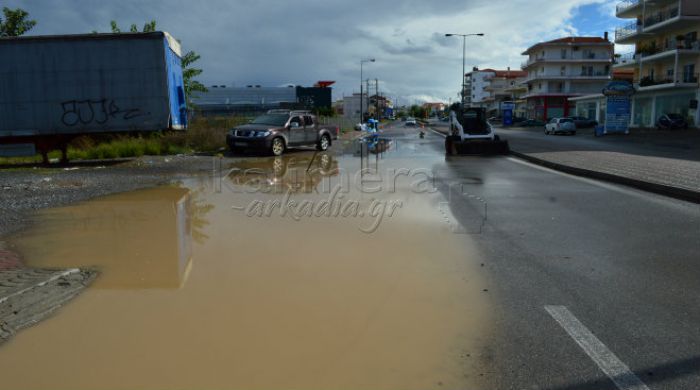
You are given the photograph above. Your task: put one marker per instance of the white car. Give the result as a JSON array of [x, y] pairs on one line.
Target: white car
[[411, 122], [560, 125]]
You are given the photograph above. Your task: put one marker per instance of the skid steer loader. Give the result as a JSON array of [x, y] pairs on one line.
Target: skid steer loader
[[471, 133]]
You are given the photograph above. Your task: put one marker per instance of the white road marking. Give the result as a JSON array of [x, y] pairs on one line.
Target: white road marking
[[437, 132], [613, 367]]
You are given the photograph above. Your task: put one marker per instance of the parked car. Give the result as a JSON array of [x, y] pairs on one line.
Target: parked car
[[411, 122], [279, 130], [560, 125], [531, 123], [582, 122], [671, 121]]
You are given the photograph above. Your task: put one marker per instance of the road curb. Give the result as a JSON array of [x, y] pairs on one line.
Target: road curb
[[661, 189]]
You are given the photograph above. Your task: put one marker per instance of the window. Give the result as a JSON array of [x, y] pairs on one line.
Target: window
[[563, 53], [689, 74], [562, 71], [296, 120], [308, 121]]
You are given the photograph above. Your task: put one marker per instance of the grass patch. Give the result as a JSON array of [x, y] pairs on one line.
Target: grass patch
[[203, 135]]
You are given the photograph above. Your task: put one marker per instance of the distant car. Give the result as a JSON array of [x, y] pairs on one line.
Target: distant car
[[560, 125], [411, 122], [671, 122], [582, 122], [531, 123], [445, 119]]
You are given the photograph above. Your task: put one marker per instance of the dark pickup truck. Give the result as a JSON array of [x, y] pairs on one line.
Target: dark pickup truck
[[279, 130]]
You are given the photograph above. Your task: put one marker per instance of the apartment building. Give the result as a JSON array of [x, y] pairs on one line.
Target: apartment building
[[503, 86], [476, 81], [487, 88], [564, 68], [666, 59]]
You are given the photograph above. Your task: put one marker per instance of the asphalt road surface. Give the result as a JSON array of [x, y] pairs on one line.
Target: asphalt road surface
[[507, 276], [594, 285]]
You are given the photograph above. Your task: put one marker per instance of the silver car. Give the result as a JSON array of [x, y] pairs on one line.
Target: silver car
[[560, 125]]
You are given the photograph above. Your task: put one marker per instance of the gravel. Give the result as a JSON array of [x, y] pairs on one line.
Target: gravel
[[25, 190]]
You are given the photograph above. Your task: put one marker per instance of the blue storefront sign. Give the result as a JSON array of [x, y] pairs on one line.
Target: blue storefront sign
[[507, 109], [618, 107]]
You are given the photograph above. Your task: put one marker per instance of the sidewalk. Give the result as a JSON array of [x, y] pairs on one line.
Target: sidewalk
[[662, 162]]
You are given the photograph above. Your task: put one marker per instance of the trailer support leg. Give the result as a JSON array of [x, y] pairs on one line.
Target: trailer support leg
[[64, 153]]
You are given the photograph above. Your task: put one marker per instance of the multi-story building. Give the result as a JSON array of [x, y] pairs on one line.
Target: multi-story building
[[666, 59], [351, 105], [563, 68], [476, 82], [503, 86]]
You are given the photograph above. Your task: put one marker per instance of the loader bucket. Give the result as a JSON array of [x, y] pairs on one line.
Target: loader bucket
[[455, 146]]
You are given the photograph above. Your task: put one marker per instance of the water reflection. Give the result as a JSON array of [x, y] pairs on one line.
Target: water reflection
[[138, 240], [298, 173]]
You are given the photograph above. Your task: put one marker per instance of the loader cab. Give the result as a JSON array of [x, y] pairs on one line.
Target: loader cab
[[466, 122], [474, 121]]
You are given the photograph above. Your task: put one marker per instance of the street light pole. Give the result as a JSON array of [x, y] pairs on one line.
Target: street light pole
[[362, 80], [464, 57]]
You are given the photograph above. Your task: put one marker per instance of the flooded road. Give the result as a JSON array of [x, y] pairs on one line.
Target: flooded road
[[270, 273]]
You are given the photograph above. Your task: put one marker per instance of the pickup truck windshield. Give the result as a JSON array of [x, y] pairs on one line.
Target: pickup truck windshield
[[271, 119]]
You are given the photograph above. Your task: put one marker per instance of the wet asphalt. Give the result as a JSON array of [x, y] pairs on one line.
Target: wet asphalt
[[624, 262]]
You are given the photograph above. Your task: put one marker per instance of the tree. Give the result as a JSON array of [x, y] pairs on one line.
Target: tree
[[148, 27], [188, 72], [14, 22]]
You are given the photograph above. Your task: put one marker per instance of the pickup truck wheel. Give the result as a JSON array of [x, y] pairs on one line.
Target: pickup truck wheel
[[277, 147], [323, 143]]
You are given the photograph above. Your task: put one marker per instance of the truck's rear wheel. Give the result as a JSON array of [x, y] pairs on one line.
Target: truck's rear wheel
[[323, 143], [277, 147]]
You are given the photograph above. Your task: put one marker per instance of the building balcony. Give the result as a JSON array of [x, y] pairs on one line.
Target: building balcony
[[627, 59], [589, 57], [657, 22], [685, 80], [583, 76], [625, 33], [628, 8], [652, 54], [661, 16]]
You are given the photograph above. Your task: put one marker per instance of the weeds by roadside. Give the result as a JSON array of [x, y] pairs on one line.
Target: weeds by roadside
[[203, 135]]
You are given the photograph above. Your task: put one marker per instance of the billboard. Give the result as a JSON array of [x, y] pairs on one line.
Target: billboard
[[507, 109], [618, 107]]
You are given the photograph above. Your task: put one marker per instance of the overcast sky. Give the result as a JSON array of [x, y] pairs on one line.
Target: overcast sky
[[275, 42]]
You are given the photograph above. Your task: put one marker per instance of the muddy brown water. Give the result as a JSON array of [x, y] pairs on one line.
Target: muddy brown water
[[199, 289]]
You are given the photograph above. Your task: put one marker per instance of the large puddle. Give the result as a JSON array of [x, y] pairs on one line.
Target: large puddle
[[244, 280]]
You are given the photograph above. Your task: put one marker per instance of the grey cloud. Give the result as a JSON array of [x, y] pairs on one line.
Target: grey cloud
[[273, 42]]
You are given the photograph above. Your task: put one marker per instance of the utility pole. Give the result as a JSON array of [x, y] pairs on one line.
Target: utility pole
[[376, 98], [368, 98], [464, 56], [362, 103]]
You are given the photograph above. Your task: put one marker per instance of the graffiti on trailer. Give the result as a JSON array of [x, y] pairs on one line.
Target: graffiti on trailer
[[96, 111]]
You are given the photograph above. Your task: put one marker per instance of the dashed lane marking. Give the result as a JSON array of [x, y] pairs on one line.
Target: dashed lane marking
[[613, 367]]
